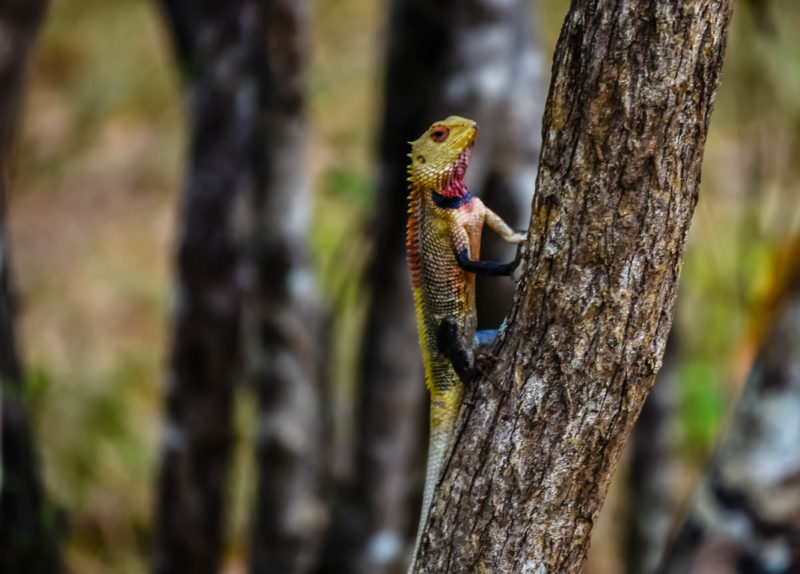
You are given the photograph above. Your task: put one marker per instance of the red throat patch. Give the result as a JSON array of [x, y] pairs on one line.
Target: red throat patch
[[454, 185]]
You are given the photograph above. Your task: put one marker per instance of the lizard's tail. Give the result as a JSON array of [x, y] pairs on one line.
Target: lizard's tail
[[437, 450]]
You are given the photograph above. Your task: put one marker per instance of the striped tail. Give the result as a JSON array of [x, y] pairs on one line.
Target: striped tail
[[439, 442]]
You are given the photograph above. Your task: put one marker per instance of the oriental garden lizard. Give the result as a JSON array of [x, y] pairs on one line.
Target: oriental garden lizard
[[443, 244]]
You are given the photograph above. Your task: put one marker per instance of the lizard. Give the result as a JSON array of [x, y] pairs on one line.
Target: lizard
[[443, 239]]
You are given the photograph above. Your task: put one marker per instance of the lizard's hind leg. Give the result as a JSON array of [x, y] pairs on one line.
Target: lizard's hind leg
[[450, 345]]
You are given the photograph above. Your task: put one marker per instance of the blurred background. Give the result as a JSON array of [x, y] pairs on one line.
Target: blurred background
[[96, 224]]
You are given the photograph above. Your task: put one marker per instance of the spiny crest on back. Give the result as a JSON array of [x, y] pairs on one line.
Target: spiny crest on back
[[412, 235], [439, 157]]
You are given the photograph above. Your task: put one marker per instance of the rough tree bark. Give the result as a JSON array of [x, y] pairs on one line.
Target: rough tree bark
[[745, 516], [652, 470], [475, 58], [282, 323], [28, 539], [623, 137], [214, 45]]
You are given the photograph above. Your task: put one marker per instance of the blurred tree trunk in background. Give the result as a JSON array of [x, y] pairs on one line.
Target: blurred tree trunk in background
[[283, 325], [541, 434], [474, 58], [243, 247], [215, 46], [745, 515], [510, 117], [28, 537], [652, 470]]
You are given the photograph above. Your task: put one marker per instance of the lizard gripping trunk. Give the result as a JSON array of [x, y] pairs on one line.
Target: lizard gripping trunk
[[444, 234], [441, 289]]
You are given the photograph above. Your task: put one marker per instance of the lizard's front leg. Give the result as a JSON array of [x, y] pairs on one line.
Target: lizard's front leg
[[502, 228], [463, 255]]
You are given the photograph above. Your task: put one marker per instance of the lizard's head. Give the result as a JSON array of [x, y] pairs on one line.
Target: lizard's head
[[440, 156]]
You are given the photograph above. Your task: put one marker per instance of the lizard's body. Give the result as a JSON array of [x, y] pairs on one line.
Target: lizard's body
[[443, 240]]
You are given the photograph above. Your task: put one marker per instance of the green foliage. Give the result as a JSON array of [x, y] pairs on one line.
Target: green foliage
[[101, 70], [351, 187], [702, 402], [38, 386]]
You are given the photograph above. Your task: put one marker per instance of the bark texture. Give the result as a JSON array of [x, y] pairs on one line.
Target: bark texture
[[28, 537], [283, 326], [623, 137], [652, 470], [214, 43], [475, 58], [745, 516]]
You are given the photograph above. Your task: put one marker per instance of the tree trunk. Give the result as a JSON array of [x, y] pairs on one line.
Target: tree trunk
[[215, 45], [28, 537], [745, 515], [540, 435], [652, 470], [246, 209], [283, 324], [474, 58]]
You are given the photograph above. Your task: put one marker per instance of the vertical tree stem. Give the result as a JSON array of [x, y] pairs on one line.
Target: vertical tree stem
[[28, 537], [624, 131]]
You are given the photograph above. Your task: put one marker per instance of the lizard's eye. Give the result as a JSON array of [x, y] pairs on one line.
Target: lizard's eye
[[439, 133]]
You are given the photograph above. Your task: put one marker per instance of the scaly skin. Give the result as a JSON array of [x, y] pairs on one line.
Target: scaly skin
[[443, 239]]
